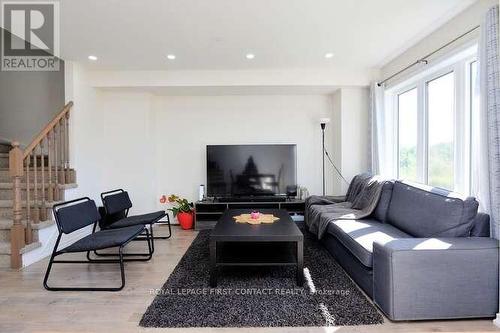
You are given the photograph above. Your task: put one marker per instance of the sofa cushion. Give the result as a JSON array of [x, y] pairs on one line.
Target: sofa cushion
[[314, 212], [358, 236], [424, 211], [481, 226], [380, 212]]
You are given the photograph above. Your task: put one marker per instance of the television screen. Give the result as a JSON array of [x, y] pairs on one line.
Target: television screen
[[250, 170]]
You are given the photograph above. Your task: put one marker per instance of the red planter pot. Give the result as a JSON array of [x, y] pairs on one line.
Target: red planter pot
[[185, 220]]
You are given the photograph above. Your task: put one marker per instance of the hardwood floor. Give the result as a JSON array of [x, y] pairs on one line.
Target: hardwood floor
[[26, 307]]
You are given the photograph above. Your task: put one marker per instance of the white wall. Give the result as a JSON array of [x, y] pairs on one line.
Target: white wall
[[85, 133], [155, 144], [112, 142], [351, 135], [28, 101], [330, 77], [186, 124], [464, 21], [355, 141], [336, 151]]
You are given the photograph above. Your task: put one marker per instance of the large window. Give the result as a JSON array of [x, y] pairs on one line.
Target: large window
[[441, 110], [407, 134], [433, 118]]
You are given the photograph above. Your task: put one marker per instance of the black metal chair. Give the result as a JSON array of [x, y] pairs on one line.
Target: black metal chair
[[117, 204], [77, 214]]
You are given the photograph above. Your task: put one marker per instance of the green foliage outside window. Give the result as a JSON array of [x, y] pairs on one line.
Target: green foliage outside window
[[440, 164]]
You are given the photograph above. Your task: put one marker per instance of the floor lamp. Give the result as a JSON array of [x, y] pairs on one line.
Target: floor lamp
[[323, 122]]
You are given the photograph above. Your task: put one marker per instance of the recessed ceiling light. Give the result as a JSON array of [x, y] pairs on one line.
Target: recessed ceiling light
[[92, 57], [170, 56], [250, 56], [329, 55]]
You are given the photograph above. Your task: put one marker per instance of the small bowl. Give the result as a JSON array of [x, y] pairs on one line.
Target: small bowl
[[254, 215]]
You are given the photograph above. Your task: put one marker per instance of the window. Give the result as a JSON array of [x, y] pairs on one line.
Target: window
[[407, 133], [433, 114], [441, 147]]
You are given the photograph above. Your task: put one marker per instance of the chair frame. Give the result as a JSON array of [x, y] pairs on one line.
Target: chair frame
[[147, 238], [120, 190], [167, 222], [56, 253]]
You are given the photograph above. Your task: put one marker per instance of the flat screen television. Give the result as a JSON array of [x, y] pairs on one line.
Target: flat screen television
[[250, 170]]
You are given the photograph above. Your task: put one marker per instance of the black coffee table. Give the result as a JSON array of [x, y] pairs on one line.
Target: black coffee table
[[241, 244]]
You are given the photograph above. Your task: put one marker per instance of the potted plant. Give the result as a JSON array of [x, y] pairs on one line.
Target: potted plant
[[182, 209]]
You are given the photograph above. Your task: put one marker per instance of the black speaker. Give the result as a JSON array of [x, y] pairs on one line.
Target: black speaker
[[291, 191]]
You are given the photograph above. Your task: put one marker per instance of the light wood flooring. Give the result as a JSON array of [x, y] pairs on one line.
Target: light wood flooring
[[25, 306]]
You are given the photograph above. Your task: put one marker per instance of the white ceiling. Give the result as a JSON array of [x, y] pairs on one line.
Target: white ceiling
[[216, 34]]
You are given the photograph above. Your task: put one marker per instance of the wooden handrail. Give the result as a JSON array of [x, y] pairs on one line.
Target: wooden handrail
[[48, 154], [43, 133]]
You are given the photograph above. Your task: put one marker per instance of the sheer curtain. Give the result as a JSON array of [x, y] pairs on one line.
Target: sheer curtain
[[486, 139], [380, 126]]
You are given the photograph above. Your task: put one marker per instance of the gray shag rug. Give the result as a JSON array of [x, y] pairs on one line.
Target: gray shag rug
[[256, 297]]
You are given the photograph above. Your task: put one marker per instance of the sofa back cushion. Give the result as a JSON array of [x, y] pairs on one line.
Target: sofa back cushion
[[424, 211], [481, 226], [380, 212]]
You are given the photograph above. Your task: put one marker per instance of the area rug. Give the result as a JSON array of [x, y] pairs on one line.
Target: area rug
[[256, 297]]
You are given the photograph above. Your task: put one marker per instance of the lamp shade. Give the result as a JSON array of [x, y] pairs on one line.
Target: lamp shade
[[324, 120]]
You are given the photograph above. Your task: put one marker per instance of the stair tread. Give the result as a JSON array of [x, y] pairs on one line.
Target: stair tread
[[9, 203], [6, 223], [5, 247], [39, 168], [7, 185], [30, 247]]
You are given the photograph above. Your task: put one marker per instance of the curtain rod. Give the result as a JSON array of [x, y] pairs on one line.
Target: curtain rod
[[424, 60]]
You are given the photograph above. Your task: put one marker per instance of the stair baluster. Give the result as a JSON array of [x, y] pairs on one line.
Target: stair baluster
[[43, 206], [56, 163], [62, 149], [50, 186], [66, 150], [28, 231], [36, 210]]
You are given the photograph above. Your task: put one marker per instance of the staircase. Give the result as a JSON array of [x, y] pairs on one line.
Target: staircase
[[32, 180]]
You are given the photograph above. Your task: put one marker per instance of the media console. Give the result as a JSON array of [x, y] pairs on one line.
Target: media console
[[208, 212]]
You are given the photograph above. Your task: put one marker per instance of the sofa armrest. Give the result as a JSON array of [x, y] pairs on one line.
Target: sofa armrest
[[436, 278]]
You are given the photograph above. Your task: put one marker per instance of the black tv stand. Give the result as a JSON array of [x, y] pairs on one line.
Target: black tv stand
[[208, 212], [253, 198]]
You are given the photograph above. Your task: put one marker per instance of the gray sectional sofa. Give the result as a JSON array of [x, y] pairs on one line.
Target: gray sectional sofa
[[424, 253]]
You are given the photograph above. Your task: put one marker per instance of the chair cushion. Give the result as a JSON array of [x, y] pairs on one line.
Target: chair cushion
[[138, 220], [76, 216], [117, 202], [105, 239], [358, 236], [424, 211]]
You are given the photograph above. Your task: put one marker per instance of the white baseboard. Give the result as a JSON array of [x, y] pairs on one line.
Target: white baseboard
[[48, 237], [172, 221], [496, 321]]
